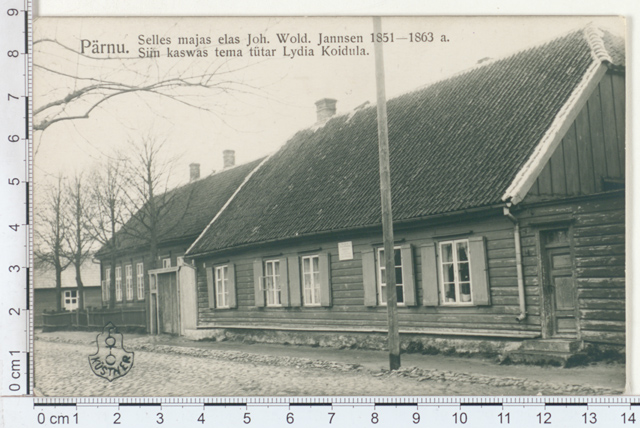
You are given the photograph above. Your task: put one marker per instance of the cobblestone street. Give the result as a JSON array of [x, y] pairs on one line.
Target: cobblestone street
[[62, 369]]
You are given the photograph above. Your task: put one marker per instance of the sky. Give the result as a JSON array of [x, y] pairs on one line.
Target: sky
[[270, 98]]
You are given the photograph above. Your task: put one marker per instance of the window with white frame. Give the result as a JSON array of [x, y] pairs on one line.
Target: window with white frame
[[455, 272], [272, 282], [129, 281], [311, 280], [166, 263], [106, 284], [71, 300], [119, 283], [140, 280], [222, 286], [382, 278]]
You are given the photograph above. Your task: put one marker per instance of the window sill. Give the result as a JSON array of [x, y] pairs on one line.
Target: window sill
[[457, 304]]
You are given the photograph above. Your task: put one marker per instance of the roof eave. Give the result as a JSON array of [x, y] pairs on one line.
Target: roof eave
[[396, 223]]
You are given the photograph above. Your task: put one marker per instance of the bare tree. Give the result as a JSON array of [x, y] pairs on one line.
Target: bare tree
[[79, 237], [133, 203], [107, 201], [147, 193], [92, 81], [51, 234]]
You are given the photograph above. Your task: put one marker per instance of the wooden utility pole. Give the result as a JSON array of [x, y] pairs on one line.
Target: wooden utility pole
[[385, 194]]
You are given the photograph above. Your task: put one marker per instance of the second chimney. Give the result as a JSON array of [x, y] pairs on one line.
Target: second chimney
[[229, 158], [325, 108], [194, 172]]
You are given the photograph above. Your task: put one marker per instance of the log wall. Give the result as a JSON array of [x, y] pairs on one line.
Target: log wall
[[597, 227], [597, 231]]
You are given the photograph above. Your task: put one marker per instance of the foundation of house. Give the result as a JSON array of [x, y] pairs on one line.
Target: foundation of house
[[566, 353], [414, 343]]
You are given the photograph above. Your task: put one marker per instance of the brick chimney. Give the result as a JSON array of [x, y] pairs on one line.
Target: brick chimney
[[229, 158], [194, 172], [325, 108]]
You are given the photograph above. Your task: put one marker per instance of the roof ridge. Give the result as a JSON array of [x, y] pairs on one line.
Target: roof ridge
[[487, 62], [478, 65], [594, 37], [214, 173]]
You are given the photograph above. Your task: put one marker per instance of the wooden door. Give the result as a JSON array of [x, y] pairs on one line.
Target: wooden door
[[559, 285], [168, 313]]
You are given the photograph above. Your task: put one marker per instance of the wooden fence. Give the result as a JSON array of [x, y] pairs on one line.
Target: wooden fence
[[126, 319]]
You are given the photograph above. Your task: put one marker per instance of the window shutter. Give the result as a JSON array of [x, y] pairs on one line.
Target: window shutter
[[429, 275], [325, 279], [231, 272], [210, 288], [369, 278], [284, 282], [479, 275], [294, 282], [257, 283], [407, 276]]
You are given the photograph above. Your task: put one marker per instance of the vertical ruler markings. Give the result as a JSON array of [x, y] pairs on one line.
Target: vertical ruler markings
[[15, 252], [28, 41]]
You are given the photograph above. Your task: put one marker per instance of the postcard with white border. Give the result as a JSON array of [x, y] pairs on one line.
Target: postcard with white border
[[329, 206]]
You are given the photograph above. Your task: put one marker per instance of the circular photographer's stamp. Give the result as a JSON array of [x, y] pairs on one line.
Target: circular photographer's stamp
[[111, 361]]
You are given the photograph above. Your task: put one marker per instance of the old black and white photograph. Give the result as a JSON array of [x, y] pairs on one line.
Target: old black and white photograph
[[329, 206]]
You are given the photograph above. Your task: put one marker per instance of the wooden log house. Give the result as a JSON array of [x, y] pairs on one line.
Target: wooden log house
[[508, 205], [155, 290]]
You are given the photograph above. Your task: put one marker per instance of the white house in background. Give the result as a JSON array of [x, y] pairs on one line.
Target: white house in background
[[44, 284]]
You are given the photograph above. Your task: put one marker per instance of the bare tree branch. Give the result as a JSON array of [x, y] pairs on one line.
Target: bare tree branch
[[96, 88]]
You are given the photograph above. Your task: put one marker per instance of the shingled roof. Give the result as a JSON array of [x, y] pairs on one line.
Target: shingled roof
[[191, 208], [454, 145]]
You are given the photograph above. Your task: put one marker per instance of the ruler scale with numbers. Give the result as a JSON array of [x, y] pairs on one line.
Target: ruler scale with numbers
[[20, 409], [326, 411], [16, 214]]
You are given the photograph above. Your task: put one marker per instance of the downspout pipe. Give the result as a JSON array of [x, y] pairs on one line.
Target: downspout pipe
[[520, 275]]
